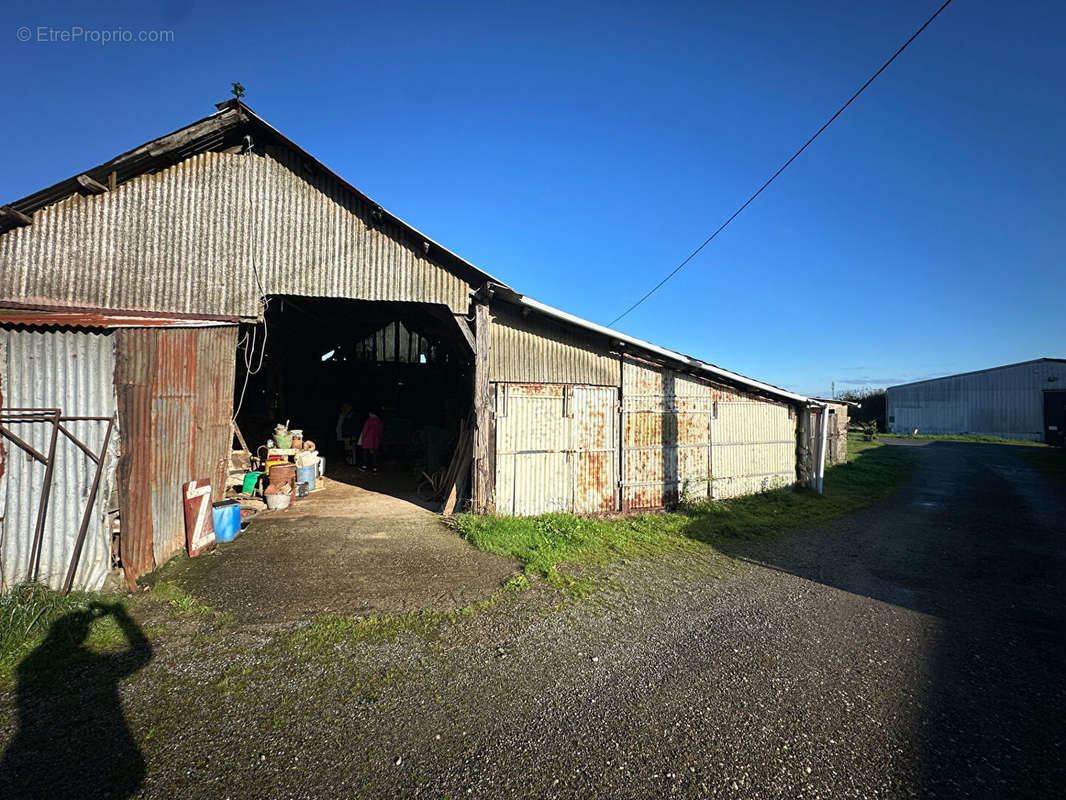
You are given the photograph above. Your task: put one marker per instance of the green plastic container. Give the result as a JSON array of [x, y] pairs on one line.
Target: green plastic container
[[251, 480]]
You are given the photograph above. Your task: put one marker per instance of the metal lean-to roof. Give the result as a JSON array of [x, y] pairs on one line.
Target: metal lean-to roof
[[228, 128]]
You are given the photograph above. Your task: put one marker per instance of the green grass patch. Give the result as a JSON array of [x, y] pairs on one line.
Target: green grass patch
[[180, 601], [1049, 460], [29, 611], [542, 544], [962, 438], [329, 631]]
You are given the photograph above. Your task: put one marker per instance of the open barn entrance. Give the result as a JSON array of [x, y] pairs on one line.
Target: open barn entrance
[[408, 363]]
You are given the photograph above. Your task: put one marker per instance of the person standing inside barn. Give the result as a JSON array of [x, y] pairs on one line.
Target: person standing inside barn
[[346, 421], [370, 441]]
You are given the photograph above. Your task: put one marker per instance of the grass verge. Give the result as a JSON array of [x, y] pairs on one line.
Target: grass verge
[[1049, 460], [542, 544], [28, 612], [962, 438]]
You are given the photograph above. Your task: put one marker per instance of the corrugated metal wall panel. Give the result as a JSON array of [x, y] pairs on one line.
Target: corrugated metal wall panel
[[184, 241], [1006, 401], [556, 448], [526, 351], [533, 464], [753, 445], [666, 436], [72, 371], [594, 411], [175, 391]]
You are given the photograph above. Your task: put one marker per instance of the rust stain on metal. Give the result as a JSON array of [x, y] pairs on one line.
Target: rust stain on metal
[[175, 399]]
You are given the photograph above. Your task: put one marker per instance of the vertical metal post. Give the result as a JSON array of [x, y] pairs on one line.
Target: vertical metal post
[[42, 509], [76, 555]]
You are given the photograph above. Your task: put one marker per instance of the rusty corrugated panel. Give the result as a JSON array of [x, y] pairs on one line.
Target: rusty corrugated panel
[[753, 445], [134, 369], [556, 448], [191, 239], [594, 412], [71, 371], [176, 393], [216, 361], [531, 350], [666, 430]]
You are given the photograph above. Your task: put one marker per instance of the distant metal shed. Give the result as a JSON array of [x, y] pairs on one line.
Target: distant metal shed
[[1017, 401]]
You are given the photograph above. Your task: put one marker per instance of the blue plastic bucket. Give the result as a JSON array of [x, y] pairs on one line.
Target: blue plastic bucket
[[227, 518], [306, 475]]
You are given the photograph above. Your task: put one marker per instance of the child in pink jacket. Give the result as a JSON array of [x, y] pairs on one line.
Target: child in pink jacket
[[370, 441]]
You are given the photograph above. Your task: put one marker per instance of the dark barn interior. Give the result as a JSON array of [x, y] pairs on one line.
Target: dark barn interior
[[407, 362]]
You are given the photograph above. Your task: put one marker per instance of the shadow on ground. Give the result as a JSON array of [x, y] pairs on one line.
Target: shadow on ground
[[978, 540], [72, 739]]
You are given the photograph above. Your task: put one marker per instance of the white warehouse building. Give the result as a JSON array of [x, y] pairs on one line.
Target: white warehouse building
[[1018, 401]]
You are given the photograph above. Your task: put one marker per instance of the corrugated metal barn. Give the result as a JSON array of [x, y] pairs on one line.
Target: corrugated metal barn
[[220, 271], [1024, 401]]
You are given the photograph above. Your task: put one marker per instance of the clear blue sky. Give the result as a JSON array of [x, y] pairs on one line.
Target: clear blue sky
[[579, 151]]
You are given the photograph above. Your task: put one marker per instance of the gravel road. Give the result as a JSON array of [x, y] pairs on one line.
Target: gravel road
[[915, 649]]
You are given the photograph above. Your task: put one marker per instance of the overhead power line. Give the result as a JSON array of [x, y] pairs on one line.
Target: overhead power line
[[782, 168]]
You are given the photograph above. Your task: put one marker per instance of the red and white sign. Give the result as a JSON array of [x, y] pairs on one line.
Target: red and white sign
[[199, 522]]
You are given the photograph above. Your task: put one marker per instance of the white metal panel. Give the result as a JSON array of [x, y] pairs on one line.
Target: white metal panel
[[532, 449], [753, 446], [556, 447], [72, 371]]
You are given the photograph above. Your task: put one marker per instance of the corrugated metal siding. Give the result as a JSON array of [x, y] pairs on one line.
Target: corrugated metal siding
[[1005, 402], [556, 448], [666, 436], [753, 445], [184, 241], [523, 350], [684, 438], [175, 389], [72, 371]]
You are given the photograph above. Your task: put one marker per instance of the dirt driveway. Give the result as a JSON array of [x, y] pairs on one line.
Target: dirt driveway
[[344, 550]]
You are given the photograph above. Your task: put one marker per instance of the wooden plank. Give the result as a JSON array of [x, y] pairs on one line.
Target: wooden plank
[[457, 471], [15, 215], [464, 330], [90, 185], [481, 489]]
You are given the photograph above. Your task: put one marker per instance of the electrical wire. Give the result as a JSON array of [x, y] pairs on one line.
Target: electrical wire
[[782, 168], [248, 341]]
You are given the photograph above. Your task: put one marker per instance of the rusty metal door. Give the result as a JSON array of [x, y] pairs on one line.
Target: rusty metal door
[[666, 436], [556, 447]]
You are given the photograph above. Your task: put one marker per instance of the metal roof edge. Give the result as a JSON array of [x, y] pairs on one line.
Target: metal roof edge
[[672, 355], [976, 372]]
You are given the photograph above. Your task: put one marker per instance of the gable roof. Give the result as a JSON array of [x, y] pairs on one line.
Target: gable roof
[[226, 129], [229, 129]]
